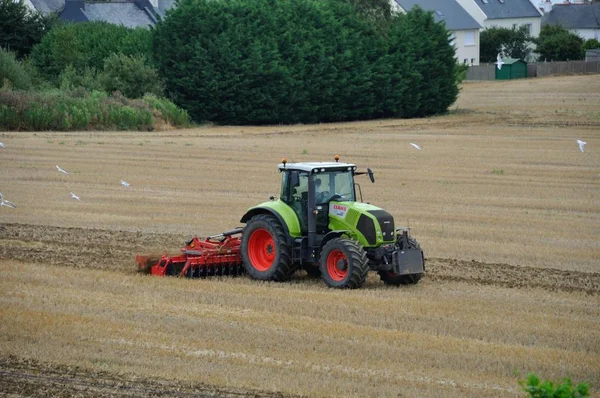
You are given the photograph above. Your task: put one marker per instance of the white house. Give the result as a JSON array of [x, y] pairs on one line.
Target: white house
[[505, 14], [582, 19], [463, 27]]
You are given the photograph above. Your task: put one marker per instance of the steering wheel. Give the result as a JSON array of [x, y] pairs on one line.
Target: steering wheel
[[337, 196], [322, 196]]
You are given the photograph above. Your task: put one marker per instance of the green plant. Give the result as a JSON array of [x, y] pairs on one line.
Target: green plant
[[131, 75], [556, 43], [76, 110], [13, 75], [87, 45], [590, 44], [546, 389], [498, 171], [513, 43], [70, 79], [21, 28], [305, 61]]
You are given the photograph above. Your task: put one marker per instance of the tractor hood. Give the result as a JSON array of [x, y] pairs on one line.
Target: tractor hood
[[372, 225]]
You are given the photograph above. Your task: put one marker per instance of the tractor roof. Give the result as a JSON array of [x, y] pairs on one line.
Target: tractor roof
[[310, 166]]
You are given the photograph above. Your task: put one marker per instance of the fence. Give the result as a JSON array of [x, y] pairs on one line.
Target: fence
[[538, 69]]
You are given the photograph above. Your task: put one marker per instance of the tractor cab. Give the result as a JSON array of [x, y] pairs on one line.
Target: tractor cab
[[314, 186]]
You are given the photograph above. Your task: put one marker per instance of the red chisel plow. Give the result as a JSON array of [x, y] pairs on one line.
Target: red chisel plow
[[215, 255]]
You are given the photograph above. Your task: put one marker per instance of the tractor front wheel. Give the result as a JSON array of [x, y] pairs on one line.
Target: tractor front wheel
[[265, 251], [344, 264]]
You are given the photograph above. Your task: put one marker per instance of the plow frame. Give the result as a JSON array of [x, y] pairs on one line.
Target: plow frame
[[217, 254]]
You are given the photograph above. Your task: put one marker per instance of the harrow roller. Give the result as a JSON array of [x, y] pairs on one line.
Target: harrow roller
[[214, 256]]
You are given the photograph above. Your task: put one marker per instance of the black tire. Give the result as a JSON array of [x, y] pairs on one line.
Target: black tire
[[392, 278], [344, 264], [277, 252]]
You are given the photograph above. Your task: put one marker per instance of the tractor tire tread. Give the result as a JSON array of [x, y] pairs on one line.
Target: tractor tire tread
[[285, 267], [358, 257]]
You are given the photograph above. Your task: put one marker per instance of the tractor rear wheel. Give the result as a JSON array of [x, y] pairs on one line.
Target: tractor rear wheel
[[266, 254], [392, 278], [344, 264]]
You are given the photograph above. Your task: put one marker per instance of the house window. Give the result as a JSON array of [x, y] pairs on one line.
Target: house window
[[469, 38], [452, 39], [472, 61], [485, 1], [466, 61], [515, 26], [527, 28]]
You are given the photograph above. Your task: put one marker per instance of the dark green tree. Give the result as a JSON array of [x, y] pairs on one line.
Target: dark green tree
[[22, 28], [289, 61], [87, 45], [435, 62], [556, 43], [513, 43]]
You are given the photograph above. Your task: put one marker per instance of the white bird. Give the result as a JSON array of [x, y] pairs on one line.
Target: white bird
[[2, 145], [416, 146], [7, 203], [125, 184], [581, 145], [73, 196], [499, 61], [61, 170]]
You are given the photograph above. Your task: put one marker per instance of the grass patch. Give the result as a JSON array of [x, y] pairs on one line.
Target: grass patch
[[82, 110]]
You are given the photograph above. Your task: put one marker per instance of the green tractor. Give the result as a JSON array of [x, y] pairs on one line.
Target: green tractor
[[317, 224]]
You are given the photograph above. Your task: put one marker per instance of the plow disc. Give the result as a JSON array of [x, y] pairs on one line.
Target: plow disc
[[214, 256]]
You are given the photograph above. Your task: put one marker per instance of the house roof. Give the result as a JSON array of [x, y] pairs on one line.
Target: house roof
[[48, 6], [126, 14], [574, 16], [501, 9], [449, 11]]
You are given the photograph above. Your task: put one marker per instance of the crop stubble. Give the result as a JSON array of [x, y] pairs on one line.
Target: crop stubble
[[501, 199]]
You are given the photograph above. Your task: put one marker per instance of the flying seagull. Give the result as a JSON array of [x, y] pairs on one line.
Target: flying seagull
[[499, 61], [2, 145], [61, 170], [581, 144], [7, 203], [416, 146], [125, 184], [73, 196]]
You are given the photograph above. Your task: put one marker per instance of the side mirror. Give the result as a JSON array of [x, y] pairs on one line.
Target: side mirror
[[370, 173]]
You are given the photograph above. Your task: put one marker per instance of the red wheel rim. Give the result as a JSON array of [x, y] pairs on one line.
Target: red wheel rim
[[337, 265], [261, 249]]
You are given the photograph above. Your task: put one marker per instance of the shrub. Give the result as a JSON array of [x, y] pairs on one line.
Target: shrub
[[71, 79], [12, 72], [87, 45], [130, 75], [513, 43], [21, 28], [546, 389], [590, 44], [556, 43], [80, 110], [307, 61]]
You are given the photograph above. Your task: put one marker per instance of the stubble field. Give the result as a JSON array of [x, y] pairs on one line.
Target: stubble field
[[503, 202]]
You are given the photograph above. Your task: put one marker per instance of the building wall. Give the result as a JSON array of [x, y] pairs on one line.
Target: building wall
[[587, 33], [536, 24], [469, 52]]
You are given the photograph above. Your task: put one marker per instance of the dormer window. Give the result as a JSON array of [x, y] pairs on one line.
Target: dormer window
[[439, 13], [485, 1]]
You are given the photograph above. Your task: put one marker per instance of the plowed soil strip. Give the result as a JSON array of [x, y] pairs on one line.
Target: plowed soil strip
[[31, 378], [116, 250]]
